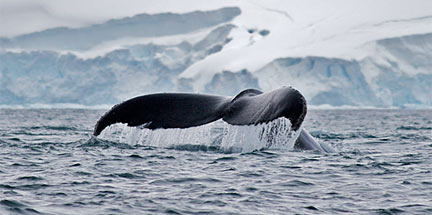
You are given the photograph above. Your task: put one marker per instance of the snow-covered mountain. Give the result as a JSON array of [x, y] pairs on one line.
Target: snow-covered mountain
[[337, 53]]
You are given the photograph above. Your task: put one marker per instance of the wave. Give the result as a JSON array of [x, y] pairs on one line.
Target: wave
[[57, 106], [365, 107]]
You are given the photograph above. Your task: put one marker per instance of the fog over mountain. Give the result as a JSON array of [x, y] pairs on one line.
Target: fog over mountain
[[337, 53]]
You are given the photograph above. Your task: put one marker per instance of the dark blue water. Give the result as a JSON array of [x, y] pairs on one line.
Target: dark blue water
[[50, 164]]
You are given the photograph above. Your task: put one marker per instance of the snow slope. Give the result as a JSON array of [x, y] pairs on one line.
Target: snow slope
[[331, 29], [141, 25]]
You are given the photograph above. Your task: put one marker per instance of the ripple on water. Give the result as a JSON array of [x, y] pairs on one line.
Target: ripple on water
[[16, 207], [415, 128], [125, 175], [296, 183], [29, 187], [30, 178], [389, 211], [184, 180], [94, 142]]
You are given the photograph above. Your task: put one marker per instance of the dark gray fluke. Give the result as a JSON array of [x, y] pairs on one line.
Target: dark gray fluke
[[181, 110]]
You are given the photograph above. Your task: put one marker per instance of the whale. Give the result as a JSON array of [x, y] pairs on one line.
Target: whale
[[185, 110]]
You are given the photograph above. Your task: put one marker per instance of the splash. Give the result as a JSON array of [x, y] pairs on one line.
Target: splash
[[218, 135]]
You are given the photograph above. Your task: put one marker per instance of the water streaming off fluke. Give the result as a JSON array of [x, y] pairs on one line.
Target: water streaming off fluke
[[219, 135]]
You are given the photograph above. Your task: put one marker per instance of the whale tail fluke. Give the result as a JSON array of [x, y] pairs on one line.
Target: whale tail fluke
[[182, 110]]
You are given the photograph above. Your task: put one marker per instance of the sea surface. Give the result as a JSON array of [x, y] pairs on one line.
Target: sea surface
[[51, 164]]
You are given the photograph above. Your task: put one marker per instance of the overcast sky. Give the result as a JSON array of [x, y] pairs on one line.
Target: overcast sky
[[25, 16]]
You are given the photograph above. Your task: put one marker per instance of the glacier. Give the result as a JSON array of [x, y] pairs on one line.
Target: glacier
[[398, 74], [344, 56], [51, 77]]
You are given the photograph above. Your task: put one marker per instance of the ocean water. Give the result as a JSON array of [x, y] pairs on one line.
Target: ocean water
[[51, 164]]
